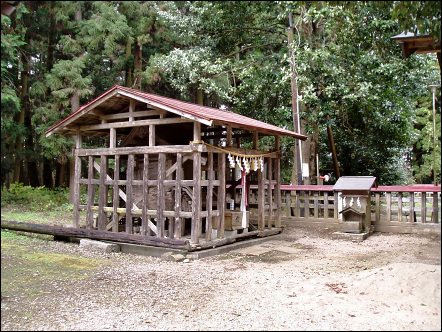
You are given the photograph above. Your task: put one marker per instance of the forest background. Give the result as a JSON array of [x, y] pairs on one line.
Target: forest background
[[351, 76]]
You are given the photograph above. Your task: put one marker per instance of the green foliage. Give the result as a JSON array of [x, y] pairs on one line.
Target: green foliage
[[36, 199]]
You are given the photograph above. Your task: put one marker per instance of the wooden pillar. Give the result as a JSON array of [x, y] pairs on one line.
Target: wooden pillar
[[179, 176], [131, 110], [261, 200], [278, 182], [102, 198], [196, 201], [160, 195], [209, 196], [116, 196], [255, 140], [152, 135], [378, 207], [129, 195], [412, 214], [196, 132], [113, 138], [77, 176], [90, 193], [270, 192], [435, 218], [399, 207], [229, 136], [424, 207], [145, 229], [221, 194], [325, 205]]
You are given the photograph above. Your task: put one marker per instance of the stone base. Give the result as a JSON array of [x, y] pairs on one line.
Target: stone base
[[104, 247], [354, 237], [351, 227]]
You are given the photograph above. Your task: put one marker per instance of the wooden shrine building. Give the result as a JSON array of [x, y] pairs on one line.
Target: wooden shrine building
[[169, 172]]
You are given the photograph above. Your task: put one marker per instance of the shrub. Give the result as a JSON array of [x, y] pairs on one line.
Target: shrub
[[36, 199]]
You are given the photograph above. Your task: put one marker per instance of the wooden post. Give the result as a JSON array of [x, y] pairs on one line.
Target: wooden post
[[179, 176], [412, 213], [102, 198], [209, 196], [90, 193], [196, 201], [152, 135], [336, 206], [399, 207], [255, 140], [129, 194], [306, 205], [229, 136], [388, 197], [112, 138], [145, 229], [378, 207], [424, 207], [325, 205], [278, 190], [269, 190], [161, 196], [316, 204], [116, 196], [196, 132], [435, 218], [77, 176], [261, 200], [221, 203], [131, 110]]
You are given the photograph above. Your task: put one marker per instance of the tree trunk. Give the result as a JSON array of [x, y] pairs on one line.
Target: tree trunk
[[48, 181], [138, 65], [129, 63]]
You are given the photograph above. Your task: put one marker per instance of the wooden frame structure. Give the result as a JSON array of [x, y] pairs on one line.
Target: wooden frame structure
[[163, 175]]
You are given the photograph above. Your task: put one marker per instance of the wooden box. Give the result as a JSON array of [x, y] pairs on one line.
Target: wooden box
[[233, 220]]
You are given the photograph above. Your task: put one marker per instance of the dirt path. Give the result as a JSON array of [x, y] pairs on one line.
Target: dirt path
[[300, 280]]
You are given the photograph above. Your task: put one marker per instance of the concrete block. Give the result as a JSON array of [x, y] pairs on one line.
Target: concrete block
[[99, 246]]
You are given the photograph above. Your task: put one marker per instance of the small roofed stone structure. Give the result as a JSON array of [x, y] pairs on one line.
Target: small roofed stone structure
[[161, 179], [355, 205]]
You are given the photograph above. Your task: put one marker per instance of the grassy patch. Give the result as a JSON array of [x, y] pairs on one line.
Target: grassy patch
[[29, 268]]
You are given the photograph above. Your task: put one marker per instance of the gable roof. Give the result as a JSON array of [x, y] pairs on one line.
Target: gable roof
[[203, 114]]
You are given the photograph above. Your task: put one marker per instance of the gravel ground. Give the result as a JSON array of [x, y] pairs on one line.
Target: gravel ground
[[299, 280]]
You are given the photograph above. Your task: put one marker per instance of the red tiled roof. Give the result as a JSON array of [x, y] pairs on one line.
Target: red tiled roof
[[208, 114]]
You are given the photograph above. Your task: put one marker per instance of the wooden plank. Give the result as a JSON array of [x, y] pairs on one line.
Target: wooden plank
[[178, 227], [196, 132], [261, 200], [435, 218], [325, 205], [278, 191], [90, 194], [145, 230], [102, 198], [152, 135], [221, 203], [388, 198], [116, 195], [424, 207], [129, 193], [134, 123], [399, 207], [209, 196], [134, 150], [378, 207], [196, 200], [161, 194], [270, 191], [412, 213], [95, 234]]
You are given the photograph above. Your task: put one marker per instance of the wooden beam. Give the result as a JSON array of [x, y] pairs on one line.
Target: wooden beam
[[136, 150], [134, 123], [196, 132], [178, 227], [116, 194], [126, 115], [145, 230], [164, 107], [209, 197], [102, 198], [90, 194], [229, 136], [112, 138], [94, 234]]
